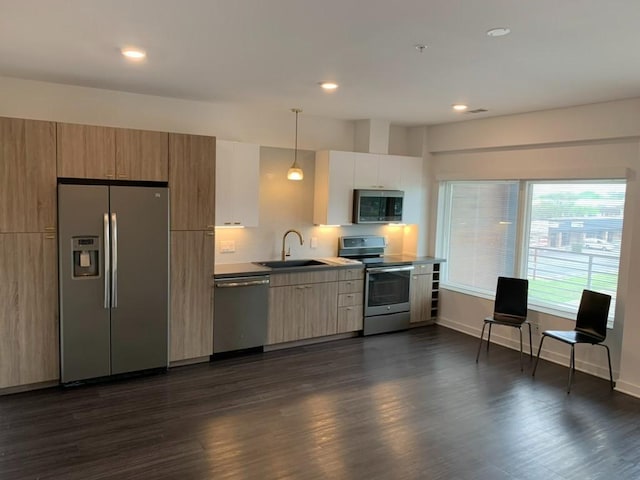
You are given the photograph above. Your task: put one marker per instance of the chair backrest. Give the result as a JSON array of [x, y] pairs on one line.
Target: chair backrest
[[512, 296], [593, 313]]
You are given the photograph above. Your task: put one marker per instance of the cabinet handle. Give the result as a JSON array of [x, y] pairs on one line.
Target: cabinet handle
[[237, 223], [349, 308], [109, 175], [50, 236], [49, 229], [122, 175], [209, 234], [211, 227]]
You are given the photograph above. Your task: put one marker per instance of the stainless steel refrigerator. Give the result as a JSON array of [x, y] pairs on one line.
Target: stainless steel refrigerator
[[114, 279]]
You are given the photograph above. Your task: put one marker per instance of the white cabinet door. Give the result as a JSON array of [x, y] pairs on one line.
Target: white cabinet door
[[414, 203], [376, 171], [333, 193], [247, 184], [237, 183], [366, 167]]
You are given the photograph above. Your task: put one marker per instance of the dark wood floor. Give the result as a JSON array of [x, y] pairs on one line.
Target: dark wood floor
[[410, 405]]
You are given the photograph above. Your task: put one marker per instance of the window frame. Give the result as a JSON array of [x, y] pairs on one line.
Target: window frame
[[523, 230]]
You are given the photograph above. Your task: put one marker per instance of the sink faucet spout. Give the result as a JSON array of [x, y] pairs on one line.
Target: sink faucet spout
[[285, 253]]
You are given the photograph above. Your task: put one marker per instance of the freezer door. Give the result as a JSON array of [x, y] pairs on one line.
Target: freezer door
[[84, 294], [140, 264]]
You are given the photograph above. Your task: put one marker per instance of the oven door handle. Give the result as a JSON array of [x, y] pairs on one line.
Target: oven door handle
[[406, 268]]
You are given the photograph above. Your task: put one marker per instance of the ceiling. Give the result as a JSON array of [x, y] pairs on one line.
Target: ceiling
[[272, 53]]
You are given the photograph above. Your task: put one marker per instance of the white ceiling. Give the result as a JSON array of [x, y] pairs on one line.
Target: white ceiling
[[273, 53]]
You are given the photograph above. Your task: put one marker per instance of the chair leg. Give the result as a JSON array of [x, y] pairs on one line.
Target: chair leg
[[572, 367], [530, 343], [489, 337], [538, 357], [480, 344], [521, 367], [613, 385]]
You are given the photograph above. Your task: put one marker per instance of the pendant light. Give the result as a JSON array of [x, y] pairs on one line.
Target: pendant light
[[295, 172]]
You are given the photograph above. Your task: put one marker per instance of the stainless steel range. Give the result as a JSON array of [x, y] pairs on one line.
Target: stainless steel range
[[387, 280]]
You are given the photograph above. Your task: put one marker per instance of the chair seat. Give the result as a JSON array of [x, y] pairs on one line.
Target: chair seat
[[506, 319], [573, 337]]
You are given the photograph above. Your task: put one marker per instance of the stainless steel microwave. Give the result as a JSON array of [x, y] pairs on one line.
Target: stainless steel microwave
[[377, 206]]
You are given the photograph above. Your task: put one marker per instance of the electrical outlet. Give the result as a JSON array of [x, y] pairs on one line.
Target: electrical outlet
[[314, 242], [227, 246], [535, 328]]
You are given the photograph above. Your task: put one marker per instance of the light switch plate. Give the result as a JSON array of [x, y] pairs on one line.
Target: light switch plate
[[227, 246]]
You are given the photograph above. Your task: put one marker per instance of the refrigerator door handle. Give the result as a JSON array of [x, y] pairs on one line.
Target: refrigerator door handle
[[114, 261], [107, 258]]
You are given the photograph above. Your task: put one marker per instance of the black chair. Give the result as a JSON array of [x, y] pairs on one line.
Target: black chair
[[591, 327], [510, 309]]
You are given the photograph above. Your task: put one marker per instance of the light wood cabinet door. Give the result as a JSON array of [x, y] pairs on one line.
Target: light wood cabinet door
[[142, 155], [421, 287], [191, 323], [297, 312], [321, 306], [86, 151], [350, 319], [27, 176], [28, 309], [286, 313], [192, 181]]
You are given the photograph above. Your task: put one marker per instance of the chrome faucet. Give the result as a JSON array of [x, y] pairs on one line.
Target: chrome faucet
[[286, 253]]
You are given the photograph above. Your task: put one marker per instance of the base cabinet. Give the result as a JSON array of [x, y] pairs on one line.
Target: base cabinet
[[424, 293], [302, 305], [350, 300], [28, 309]]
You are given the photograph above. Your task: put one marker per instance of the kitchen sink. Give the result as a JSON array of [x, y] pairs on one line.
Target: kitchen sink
[[291, 263]]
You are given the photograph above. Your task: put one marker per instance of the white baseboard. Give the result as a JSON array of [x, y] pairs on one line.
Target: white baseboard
[[555, 357]]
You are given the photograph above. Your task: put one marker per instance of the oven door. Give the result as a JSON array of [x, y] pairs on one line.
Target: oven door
[[387, 290]]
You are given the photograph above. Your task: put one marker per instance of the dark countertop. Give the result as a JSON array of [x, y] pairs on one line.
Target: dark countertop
[[251, 269]]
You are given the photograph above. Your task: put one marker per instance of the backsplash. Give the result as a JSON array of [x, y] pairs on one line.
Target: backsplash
[[286, 204]]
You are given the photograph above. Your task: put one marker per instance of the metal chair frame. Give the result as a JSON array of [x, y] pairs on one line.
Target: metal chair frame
[[510, 310], [591, 328]]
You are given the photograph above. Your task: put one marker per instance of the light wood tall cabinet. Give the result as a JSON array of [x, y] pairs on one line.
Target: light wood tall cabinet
[[192, 189], [89, 151], [27, 176], [191, 325], [237, 183], [192, 164], [28, 309]]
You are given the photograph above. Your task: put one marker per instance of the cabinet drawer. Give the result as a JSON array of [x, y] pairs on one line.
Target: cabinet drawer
[[351, 286], [280, 279], [351, 274], [423, 268], [349, 299], [349, 319]]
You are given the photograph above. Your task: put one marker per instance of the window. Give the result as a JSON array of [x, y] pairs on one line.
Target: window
[[575, 230], [479, 232], [571, 235]]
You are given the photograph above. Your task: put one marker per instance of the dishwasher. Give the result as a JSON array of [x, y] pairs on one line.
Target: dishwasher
[[240, 313]]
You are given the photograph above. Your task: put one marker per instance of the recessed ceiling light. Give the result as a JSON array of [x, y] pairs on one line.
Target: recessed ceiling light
[[133, 53], [329, 86], [499, 32], [459, 107], [420, 47]]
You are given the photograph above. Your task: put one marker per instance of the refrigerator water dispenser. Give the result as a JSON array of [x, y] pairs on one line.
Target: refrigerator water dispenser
[[86, 256]]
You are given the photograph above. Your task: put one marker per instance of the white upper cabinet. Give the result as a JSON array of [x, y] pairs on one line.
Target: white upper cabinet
[[376, 171], [237, 183], [339, 173], [333, 192], [414, 204]]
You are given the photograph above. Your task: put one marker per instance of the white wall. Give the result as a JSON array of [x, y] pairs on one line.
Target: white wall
[[66, 103], [600, 140]]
